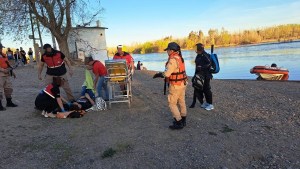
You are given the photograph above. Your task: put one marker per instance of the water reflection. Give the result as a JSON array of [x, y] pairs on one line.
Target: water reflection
[[235, 62]]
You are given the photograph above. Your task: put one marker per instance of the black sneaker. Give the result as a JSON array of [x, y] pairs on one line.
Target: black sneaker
[[11, 105], [2, 108]]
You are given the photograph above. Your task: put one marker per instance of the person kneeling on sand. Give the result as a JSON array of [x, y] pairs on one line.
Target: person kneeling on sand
[[50, 101], [87, 97]]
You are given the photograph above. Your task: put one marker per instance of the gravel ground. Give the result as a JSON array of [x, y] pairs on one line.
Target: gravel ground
[[255, 124]]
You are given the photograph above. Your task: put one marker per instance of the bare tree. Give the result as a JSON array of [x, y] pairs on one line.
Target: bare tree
[[58, 16]]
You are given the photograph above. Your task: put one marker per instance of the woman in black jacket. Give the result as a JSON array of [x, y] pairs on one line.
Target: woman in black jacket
[[203, 65]]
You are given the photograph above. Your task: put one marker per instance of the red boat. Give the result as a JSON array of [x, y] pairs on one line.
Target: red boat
[[270, 73]]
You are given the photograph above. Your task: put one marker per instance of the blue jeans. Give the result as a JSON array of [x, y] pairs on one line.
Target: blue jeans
[[84, 90], [102, 83]]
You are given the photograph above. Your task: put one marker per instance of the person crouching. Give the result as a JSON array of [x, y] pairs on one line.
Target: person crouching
[[49, 99], [176, 75]]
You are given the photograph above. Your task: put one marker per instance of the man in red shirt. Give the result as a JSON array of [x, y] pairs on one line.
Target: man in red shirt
[[100, 72], [129, 60], [124, 55]]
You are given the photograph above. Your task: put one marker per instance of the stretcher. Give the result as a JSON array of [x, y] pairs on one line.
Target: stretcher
[[119, 80]]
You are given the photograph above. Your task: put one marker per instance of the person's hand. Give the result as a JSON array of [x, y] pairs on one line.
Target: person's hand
[[159, 74], [6, 71], [40, 77], [71, 72]]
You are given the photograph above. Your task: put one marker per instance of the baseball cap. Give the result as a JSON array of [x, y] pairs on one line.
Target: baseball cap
[[173, 46], [1, 46]]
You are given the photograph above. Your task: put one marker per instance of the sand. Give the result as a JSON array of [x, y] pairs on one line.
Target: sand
[[255, 124]]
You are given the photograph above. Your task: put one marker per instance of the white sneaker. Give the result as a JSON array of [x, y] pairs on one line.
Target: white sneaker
[[204, 105], [43, 113], [209, 107]]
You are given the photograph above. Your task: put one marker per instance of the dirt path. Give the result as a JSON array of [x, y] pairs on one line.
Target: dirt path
[[255, 125]]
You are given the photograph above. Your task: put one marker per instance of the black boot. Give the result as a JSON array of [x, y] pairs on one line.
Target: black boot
[[176, 125], [9, 103], [1, 107], [183, 119], [192, 105]]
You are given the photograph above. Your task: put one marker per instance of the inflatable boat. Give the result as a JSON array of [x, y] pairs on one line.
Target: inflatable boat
[[270, 73]]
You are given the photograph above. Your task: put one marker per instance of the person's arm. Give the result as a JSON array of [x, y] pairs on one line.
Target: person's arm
[[206, 65], [90, 99], [96, 80], [171, 67], [60, 103], [68, 63], [4, 70], [40, 70]]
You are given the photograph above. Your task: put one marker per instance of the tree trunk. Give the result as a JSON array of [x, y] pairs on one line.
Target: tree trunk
[[63, 46]]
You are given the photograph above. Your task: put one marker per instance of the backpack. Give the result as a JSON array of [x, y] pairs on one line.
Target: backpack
[[198, 81], [100, 105], [215, 67]]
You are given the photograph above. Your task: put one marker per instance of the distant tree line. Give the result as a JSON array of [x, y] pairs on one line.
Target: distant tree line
[[221, 38]]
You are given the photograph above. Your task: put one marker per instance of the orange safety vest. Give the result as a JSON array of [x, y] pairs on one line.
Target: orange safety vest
[[54, 61], [48, 91], [177, 78], [3, 61]]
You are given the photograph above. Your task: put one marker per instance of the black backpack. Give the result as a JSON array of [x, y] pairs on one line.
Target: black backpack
[[198, 81]]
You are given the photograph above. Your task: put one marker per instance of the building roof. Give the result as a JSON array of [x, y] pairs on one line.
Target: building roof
[[95, 27]]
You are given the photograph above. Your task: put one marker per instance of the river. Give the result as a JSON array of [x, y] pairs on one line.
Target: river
[[236, 62]]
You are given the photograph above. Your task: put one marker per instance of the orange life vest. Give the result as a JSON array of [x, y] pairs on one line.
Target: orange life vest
[[177, 78], [48, 91], [3, 61], [54, 61]]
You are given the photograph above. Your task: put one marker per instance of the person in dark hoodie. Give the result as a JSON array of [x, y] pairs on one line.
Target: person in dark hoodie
[[56, 67], [203, 65]]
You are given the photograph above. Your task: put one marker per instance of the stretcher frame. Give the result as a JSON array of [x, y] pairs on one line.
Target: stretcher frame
[[118, 74]]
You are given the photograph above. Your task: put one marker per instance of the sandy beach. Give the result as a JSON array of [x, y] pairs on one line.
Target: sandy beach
[[255, 124]]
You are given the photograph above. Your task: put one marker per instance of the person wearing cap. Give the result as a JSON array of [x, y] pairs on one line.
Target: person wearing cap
[[124, 55], [129, 61], [5, 83], [177, 78], [203, 65], [56, 67]]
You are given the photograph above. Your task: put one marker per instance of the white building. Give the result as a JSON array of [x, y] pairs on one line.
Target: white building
[[88, 41]]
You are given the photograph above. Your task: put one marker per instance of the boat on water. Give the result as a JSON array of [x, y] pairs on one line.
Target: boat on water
[[270, 72]]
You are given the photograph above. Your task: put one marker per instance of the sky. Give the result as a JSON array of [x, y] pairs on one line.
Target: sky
[[143, 20], [136, 21]]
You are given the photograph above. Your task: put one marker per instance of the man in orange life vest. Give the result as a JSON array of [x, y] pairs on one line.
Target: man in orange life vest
[[5, 83], [175, 72], [56, 67]]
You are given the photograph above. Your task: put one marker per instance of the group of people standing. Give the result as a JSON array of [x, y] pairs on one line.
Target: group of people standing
[[19, 56], [175, 74]]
